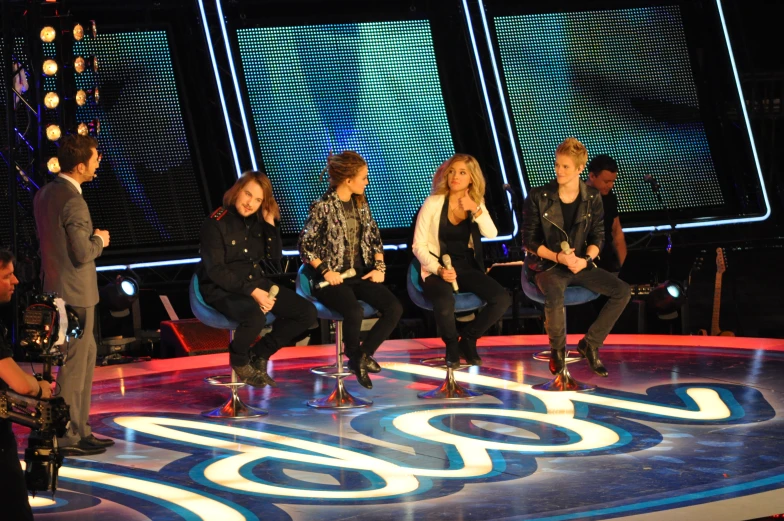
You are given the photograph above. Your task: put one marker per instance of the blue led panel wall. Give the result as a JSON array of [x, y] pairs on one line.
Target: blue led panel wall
[[621, 82], [369, 87], [148, 193]]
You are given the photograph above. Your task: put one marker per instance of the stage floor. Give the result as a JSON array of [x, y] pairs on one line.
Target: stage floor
[[684, 427]]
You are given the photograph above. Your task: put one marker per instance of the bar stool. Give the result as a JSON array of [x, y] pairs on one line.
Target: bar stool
[[340, 398], [234, 407], [464, 302], [574, 295]]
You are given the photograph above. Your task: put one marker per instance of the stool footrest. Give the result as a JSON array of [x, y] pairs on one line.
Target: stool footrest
[[224, 380], [570, 357], [331, 371]]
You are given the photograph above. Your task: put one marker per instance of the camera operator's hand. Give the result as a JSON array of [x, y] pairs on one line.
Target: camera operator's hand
[[46, 388]]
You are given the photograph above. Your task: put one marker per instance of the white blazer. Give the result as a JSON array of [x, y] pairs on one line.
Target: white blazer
[[426, 233]]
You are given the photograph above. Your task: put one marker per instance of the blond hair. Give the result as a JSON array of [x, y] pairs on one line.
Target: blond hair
[[573, 148], [476, 190]]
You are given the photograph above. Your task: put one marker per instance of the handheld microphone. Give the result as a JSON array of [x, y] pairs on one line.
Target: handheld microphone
[[448, 265], [565, 248], [273, 291], [345, 275]]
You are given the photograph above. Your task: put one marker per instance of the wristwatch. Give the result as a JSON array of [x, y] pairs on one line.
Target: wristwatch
[[589, 264]]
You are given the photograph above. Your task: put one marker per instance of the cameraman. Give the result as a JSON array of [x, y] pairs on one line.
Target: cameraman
[[13, 492]]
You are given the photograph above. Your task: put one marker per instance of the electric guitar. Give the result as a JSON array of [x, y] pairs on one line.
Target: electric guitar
[[721, 267]]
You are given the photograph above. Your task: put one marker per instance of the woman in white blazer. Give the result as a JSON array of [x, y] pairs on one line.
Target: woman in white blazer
[[451, 222]]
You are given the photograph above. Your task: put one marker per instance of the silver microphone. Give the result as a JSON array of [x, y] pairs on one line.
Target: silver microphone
[[273, 291], [565, 248], [351, 272], [448, 265]]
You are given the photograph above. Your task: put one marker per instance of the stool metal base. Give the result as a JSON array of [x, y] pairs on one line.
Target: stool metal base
[[340, 398], [449, 388], [563, 381], [234, 407]]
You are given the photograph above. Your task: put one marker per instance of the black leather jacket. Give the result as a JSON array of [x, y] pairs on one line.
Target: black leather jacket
[[237, 253], [543, 224]]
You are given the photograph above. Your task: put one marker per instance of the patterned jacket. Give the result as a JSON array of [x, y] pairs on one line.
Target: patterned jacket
[[323, 236]]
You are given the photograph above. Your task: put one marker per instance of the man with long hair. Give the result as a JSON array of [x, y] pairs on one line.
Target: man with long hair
[[240, 244]]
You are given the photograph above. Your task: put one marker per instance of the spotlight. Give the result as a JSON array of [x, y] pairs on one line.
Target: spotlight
[[82, 95], [50, 67], [82, 64], [91, 127], [48, 34], [665, 299], [79, 30], [53, 165], [53, 132], [119, 295], [51, 100]]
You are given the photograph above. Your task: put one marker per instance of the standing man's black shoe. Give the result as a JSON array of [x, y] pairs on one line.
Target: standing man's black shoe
[[98, 442], [82, 448], [592, 354]]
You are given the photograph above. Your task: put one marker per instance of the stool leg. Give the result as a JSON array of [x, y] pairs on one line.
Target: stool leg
[[340, 398], [234, 407], [449, 389], [563, 381]]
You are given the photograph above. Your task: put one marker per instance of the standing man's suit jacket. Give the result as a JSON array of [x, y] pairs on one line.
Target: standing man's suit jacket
[[68, 246]]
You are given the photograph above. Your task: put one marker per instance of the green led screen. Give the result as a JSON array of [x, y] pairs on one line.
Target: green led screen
[[621, 82], [369, 87]]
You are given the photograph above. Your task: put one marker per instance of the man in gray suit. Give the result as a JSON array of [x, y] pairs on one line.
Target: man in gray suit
[[69, 247]]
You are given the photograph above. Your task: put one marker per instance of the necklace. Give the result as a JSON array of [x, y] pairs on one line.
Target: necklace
[[351, 237]]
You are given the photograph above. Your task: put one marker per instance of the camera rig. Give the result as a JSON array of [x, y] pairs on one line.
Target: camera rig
[[47, 323]]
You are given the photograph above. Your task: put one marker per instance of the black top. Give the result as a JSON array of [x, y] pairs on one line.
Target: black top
[[609, 257], [5, 352], [353, 237], [569, 211], [237, 254], [456, 237]]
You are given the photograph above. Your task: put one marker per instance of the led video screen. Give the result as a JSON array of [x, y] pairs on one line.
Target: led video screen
[[620, 81], [369, 87], [148, 192]]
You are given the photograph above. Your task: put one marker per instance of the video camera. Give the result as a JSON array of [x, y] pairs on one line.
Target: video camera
[[47, 323]]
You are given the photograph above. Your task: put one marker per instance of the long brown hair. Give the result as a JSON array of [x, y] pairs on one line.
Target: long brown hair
[[344, 166], [477, 188], [268, 205]]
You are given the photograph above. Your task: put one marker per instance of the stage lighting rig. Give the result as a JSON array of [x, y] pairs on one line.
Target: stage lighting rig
[[82, 64], [79, 30], [50, 67], [91, 127], [53, 132], [51, 100], [53, 165], [665, 299], [119, 295], [84, 95], [48, 34]]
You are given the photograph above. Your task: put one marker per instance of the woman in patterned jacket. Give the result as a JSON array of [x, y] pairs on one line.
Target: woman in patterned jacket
[[340, 234]]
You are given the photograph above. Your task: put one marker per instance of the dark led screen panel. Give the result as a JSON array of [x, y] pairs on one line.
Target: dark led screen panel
[[369, 87], [621, 82], [148, 192]]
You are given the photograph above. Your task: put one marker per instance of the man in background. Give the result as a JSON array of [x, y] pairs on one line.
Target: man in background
[[602, 173]]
